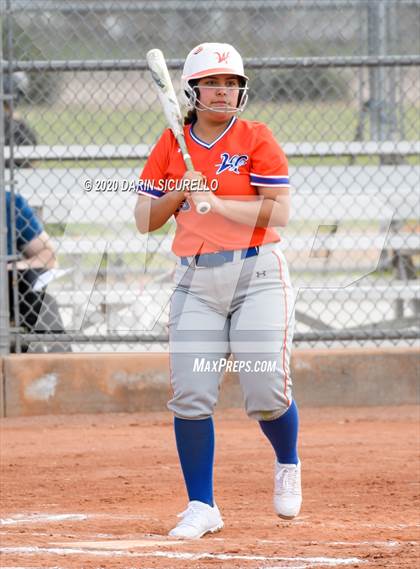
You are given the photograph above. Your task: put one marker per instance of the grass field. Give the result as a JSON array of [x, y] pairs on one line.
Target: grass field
[[297, 122]]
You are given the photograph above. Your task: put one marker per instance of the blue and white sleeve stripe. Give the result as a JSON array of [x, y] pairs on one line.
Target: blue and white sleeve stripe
[[273, 181], [146, 188]]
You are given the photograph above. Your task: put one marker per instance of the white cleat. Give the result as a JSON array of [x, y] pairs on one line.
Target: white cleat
[[287, 490], [197, 520]]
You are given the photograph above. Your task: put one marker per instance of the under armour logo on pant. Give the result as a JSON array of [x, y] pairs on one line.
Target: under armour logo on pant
[[261, 274]]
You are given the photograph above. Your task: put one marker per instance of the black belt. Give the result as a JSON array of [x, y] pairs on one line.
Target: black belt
[[219, 258]]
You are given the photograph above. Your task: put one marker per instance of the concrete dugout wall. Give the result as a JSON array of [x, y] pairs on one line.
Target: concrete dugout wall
[[101, 383]]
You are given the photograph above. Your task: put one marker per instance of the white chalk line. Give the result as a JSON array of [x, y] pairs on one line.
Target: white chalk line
[[34, 518], [37, 518], [329, 561], [390, 543], [33, 534], [118, 544]]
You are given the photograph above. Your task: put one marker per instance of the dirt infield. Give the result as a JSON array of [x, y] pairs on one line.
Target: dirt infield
[[102, 491]]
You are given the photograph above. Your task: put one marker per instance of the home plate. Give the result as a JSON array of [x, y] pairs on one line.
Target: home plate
[[117, 544]]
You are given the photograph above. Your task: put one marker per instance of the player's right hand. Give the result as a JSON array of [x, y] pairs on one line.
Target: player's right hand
[[198, 179]]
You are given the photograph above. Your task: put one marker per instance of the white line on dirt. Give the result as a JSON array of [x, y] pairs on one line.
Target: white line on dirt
[[117, 545], [313, 561], [390, 543], [32, 518], [37, 518]]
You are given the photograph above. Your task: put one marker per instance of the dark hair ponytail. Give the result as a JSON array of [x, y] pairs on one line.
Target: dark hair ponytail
[[192, 113], [191, 117]]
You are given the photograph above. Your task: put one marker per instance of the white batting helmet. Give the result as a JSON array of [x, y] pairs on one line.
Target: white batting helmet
[[209, 59]]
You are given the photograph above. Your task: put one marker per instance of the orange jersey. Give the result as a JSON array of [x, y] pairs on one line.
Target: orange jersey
[[245, 156]]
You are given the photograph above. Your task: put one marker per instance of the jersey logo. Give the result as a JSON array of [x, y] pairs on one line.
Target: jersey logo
[[222, 57], [231, 164]]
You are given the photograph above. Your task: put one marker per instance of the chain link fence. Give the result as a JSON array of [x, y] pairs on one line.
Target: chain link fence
[[336, 81]]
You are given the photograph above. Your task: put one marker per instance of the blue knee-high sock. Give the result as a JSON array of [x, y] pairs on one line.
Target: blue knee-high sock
[[195, 444], [282, 434]]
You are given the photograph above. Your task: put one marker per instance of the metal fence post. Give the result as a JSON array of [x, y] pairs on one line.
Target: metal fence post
[[382, 86], [4, 300]]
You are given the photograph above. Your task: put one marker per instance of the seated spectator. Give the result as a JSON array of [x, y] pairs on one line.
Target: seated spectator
[[38, 311], [31, 238]]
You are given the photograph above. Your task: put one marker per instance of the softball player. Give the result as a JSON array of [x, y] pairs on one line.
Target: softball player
[[233, 294]]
